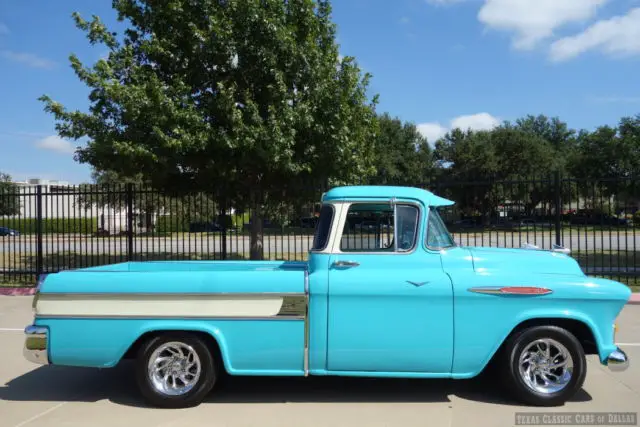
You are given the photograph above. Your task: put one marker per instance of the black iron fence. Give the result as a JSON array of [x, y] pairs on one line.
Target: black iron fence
[[51, 228]]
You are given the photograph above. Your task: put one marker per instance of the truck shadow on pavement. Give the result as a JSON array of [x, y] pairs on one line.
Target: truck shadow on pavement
[[66, 384]]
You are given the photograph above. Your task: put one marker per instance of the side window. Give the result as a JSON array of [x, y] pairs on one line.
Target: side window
[[438, 236], [323, 228], [371, 227]]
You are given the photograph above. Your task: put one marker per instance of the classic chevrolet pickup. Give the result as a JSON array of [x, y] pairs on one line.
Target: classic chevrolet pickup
[[397, 298]]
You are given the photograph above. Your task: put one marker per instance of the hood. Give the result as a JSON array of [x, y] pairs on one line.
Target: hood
[[501, 260]]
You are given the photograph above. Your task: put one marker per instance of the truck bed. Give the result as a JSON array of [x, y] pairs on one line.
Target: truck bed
[[150, 266], [182, 277]]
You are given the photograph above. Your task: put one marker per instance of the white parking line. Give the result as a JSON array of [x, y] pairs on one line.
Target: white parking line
[[41, 414], [11, 329], [629, 344]]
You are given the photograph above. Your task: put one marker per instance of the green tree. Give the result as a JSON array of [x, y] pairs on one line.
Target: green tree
[[553, 130], [469, 162], [526, 161], [244, 99], [402, 154], [477, 161], [608, 152], [9, 198]]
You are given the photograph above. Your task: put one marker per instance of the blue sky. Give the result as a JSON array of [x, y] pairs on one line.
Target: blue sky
[[437, 63]]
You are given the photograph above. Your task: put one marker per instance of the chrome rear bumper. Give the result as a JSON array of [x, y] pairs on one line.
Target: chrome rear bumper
[[618, 361], [35, 344]]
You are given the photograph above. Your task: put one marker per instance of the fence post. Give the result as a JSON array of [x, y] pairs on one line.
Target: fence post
[[129, 222], [558, 203], [223, 216], [39, 232]]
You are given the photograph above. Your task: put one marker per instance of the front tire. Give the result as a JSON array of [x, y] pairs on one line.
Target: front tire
[[544, 365], [175, 370]]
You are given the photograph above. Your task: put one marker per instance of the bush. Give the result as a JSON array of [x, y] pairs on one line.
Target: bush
[[52, 225], [172, 224]]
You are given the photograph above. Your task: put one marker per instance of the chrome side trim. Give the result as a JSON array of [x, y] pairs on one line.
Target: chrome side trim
[[306, 324], [486, 290], [511, 290], [168, 294], [618, 361], [153, 317], [35, 344], [293, 306]]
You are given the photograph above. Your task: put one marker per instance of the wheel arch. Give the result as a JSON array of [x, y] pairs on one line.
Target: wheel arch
[[212, 342], [580, 328]]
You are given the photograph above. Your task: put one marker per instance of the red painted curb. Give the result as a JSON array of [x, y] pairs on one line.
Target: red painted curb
[[17, 291], [635, 298]]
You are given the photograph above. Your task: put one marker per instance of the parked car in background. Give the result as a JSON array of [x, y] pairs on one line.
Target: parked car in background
[[308, 222], [5, 231], [380, 309], [530, 222], [603, 220]]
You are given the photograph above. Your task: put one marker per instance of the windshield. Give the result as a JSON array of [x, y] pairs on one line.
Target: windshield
[[438, 236]]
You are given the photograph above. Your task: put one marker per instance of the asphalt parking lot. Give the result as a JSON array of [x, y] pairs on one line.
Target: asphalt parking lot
[[33, 395]]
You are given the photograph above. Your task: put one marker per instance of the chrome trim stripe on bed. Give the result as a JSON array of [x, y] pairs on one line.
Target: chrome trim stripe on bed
[[169, 294], [153, 317]]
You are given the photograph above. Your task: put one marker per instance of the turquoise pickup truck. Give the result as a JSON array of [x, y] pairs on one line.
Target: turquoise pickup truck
[[386, 293]]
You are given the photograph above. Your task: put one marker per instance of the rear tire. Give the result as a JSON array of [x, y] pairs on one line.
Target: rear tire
[[543, 365], [175, 370]]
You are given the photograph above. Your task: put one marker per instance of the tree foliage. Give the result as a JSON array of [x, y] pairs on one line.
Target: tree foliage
[[402, 154], [245, 99], [9, 198]]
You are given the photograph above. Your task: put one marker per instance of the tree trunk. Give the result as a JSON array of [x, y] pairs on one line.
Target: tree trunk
[[256, 251]]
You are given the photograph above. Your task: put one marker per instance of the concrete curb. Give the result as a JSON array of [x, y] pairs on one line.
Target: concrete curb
[[17, 291]]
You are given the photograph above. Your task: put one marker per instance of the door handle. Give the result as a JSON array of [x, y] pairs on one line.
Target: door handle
[[345, 264]]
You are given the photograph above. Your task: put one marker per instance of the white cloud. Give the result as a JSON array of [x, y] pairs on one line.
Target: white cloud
[[55, 143], [4, 29], [432, 131], [481, 121], [533, 21], [27, 58], [617, 36]]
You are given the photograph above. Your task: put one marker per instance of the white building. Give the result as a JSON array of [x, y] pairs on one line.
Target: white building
[[60, 200]]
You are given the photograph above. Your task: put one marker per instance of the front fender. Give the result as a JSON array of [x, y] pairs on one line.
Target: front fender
[[477, 342]]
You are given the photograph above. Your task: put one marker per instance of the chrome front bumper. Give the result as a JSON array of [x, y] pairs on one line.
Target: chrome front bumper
[[35, 344], [618, 361]]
